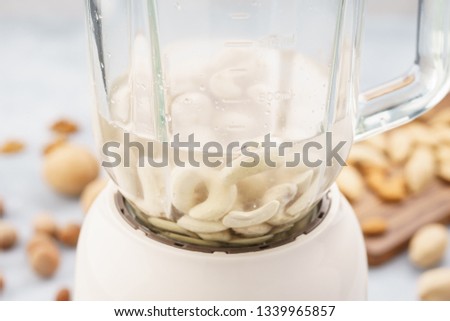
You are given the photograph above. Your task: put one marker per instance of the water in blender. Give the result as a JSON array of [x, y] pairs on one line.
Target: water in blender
[[239, 95]]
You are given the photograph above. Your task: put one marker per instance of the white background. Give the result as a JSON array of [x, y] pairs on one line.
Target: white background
[[44, 75]]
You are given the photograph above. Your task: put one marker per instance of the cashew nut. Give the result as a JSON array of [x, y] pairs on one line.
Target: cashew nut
[[222, 85], [281, 218], [308, 189], [297, 210], [252, 188], [186, 185], [236, 172], [188, 239], [191, 108], [236, 219], [168, 226], [281, 229], [124, 176], [221, 198], [251, 241], [197, 226], [254, 92], [223, 236], [284, 193], [254, 230], [152, 200], [368, 156]]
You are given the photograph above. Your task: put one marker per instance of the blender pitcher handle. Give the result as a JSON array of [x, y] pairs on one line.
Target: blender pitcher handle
[[427, 82]]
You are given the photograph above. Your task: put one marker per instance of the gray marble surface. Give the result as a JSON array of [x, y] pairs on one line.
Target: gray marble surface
[[44, 75]]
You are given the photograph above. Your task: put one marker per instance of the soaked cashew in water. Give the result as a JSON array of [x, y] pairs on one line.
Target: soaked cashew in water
[[123, 175], [308, 189], [222, 85], [198, 226], [187, 239], [223, 236], [281, 229], [168, 226], [251, 241], [236, 219], [252, 188], [221, 198], [152, 190], [291, 174], [284, 193], [186, 183], [254, 230], [236, 172], [294, 212]]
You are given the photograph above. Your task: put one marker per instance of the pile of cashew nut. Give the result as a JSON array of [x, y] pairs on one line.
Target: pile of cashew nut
[[233, 205]]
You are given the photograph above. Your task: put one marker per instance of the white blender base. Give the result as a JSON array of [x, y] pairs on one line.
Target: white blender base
[[117, 262]]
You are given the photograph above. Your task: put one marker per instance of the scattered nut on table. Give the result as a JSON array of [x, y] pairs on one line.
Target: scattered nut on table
[[91, 192], [69, 168], [374, 226], [45, 223], [8, 235], [351, 183], [12, 147], [367, 155], [428, 245], [2, 208], [406, 160], [63, 295], [43, 255], [420, 169], [68, 234], [388, 188], [2, 282], [64, 126], [444, 171], [434, 285], [399, 145], [59, 141]]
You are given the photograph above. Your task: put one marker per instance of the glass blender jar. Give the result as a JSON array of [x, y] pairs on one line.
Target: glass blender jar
[[224, 124]]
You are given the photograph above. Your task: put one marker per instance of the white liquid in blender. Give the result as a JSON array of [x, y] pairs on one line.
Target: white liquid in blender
[[238, 97]]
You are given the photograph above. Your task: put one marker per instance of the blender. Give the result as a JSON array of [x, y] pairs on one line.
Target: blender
[[223, 125]]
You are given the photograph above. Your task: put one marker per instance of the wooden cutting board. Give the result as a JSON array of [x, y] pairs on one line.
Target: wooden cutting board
[[404, 218]]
